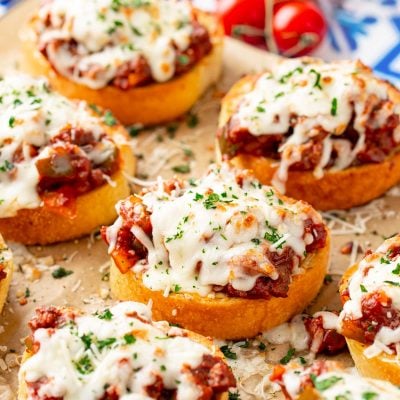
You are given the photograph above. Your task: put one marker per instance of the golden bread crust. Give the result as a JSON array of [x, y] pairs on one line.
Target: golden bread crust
[[385, 366], [5, 283], [335, 190], [149, 105], [227, 318], [93, 209]]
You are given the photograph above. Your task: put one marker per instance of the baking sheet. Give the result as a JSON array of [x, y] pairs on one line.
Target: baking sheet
[[185, 145]]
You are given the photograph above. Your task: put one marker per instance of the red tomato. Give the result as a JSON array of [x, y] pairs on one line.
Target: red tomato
[[298, 26]]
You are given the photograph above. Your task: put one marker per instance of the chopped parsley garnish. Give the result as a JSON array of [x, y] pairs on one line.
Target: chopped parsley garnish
[[334, 107], [256, 241], [61, 272], [384, 260], [87, 341], [369, 396], [129, 339], [396, 271], [272, 235], [134, 130], [188, 152], [211, 200], [260, 109], [183, 59], [233, 396], [101, 344], [198, 197], [27, 291], [285, 78], [289, 355], [136, 31], [177, 288], [228, 353], [280, 94], [84, 365], [324, 384], [363, 289], [192, 120], [11, 122], [182, 169], [262, 346], [109, 118], [7, 166], [392, 283], [106, 314], [95, 109], [317, 82]]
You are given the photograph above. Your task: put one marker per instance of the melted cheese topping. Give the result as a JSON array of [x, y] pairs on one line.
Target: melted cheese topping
[[324, 98], [218, 232], [31, 115], [118, 347], [110, 33], [376, 272], [335, 385]]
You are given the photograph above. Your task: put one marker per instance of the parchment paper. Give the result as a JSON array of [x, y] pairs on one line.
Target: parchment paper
[[188, 143]]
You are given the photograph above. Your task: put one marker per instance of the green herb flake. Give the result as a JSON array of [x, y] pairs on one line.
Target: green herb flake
[[109, 118], [182, 169], [129, 338], [369, 396], [228, 353], [233, 396], [324, 384], [392, 283], [11, 122], [317, 82], [61, 272], [334, 107], [192, 120], [289, 355], [106, 315], [101, 344], [396, 271], [84, 365], [183, 59], [363, 288]]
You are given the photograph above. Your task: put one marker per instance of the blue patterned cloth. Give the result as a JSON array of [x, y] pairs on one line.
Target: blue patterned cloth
[[368, 30]]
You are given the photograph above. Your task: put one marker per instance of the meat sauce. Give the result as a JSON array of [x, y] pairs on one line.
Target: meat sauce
[[379, 143]]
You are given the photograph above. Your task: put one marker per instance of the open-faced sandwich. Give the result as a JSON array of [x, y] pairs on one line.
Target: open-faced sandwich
[[6, 270], [118, 353], [147, 61], [370, 320], [319, 132], [223, 255], [62, 164], [327, 380]]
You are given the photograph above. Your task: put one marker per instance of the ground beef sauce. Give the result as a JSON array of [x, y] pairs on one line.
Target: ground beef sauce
[[313, 116], [210, 377], [67, 172], [129, 251]]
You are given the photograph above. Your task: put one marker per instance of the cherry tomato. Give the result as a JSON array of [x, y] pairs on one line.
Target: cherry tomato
[[298, 26]]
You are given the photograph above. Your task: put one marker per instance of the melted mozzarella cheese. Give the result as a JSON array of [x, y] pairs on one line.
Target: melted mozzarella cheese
[[334, 385], [218, 232], [376, 272], [122, 348], [110, 34], [323, 98], [31, 115]]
